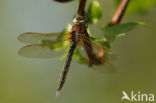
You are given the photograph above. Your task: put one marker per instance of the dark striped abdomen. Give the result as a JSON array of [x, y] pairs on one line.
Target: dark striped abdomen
[[63, 76]]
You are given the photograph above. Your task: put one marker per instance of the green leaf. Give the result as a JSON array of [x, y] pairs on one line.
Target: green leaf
[[111, 33], [139, 6], [94, 12]]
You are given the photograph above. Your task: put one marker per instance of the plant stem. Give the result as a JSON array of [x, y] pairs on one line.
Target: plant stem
[[119, 12], [81, 10]]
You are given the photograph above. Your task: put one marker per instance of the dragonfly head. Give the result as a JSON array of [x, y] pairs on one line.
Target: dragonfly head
[[79, 20]]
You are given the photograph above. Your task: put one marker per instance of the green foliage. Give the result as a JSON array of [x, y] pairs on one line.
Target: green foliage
[[94, 12], [139, 6], [113, 32]]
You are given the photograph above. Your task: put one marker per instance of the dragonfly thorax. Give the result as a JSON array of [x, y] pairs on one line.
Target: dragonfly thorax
[[76, 28]]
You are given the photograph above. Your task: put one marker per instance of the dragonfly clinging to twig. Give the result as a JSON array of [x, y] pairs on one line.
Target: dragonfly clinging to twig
[[77, 36], [43, 45]]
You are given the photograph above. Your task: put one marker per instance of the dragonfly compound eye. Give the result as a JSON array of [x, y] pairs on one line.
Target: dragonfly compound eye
[[74, 20], [82, 21], [79, 20]]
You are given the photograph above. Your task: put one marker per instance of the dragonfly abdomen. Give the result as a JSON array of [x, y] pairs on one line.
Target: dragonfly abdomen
[[63, 76]]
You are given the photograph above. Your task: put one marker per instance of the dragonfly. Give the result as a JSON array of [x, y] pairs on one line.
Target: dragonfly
[[49, 45]]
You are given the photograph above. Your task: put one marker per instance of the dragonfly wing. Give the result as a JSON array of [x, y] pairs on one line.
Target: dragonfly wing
[[104, 68], [97, 61], [35, 37], [95, 46], [39, 51]]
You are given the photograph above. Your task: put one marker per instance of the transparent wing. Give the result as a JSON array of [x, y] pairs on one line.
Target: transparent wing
[[44, 50], [104, 66], [97, 60], [35, 37], [95, 47]]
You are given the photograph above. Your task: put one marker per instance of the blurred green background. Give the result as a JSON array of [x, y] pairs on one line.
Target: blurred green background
[[26, 80]]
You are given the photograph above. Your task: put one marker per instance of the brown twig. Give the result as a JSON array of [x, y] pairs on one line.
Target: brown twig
[[119, 12], [81, 10]]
